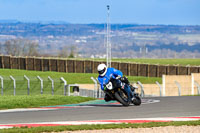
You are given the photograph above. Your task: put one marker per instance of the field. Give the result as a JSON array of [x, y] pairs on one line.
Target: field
[[184, 62], [71, 78]]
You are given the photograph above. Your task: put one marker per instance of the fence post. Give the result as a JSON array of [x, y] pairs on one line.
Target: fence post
[[65, 84], [159, 87], [14, 84], [28, 85], [163, 83], [99, 88], [142, 89], [179, 88], [52, 85], [95, 87], [198, 87], [41, 81], [1, 85], [192, 84]]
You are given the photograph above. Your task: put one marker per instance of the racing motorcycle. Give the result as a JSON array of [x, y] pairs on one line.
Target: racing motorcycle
[[115, 88]]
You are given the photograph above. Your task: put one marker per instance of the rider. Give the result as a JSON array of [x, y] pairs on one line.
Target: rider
[[104, 76]]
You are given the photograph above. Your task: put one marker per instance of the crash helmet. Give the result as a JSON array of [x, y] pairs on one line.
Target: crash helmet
[[102, 69]]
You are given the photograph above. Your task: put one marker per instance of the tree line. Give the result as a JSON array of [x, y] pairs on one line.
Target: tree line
[[25, 47]]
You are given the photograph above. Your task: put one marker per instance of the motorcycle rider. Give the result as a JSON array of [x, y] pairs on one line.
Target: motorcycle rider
[[104, 76]]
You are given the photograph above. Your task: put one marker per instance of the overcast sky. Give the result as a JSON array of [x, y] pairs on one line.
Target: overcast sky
[[182, 12]]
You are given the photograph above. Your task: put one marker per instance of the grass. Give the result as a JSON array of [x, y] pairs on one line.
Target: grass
[[183, 62], [98, 127], [35, 89], [11, 102]]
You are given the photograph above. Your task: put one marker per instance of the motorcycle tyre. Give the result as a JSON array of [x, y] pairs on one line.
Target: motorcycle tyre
[[137, 101], [119, 99]]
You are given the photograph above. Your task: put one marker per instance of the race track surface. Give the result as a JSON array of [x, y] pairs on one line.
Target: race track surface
[[151, 107]]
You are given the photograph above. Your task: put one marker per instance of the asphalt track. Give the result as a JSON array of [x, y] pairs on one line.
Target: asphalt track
[[152, 107]]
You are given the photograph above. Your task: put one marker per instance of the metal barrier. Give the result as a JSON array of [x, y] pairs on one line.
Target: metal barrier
[[65, 84], [142, 89], [179, 88], [159, 87], [1, 85], [198, 87], [28, 84], [52, 85], [41, 82], [14, 84], [95, 87]]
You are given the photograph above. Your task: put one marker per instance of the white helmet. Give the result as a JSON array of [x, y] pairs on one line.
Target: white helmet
[[102, 69]]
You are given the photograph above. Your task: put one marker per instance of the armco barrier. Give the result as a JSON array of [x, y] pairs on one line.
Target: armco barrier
[[89, 66]]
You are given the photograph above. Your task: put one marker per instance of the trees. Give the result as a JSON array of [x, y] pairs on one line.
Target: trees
[[21, 47]]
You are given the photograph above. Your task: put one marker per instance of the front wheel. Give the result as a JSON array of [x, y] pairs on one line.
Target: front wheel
[[137, 101], [122, 98]]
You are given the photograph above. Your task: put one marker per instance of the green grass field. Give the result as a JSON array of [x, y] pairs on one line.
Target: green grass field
[[71, 78], [10, 102], [98, 127], [184, 62]]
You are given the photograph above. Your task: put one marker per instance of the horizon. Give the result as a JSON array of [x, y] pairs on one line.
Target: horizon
[[2, 21]]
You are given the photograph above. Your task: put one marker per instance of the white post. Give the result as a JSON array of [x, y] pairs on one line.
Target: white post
[[99, 88], [159, 87], [142, 88], [1, 85], [28, 86], [198, 87], [41, 81], [65, 84], [52, 85], [95, 87], [192, 84], [179, 88], [14, 84], [163, 83]]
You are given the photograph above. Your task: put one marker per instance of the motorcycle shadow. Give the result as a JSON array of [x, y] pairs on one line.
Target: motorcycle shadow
[[106, 105]]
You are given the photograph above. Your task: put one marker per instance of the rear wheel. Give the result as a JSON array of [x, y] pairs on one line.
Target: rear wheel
[[122, 98]]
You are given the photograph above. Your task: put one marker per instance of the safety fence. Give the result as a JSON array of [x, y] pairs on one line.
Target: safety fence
[[89, 66], [35, 85]]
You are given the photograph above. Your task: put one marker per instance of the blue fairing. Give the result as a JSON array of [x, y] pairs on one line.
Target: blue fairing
[[111, 72]]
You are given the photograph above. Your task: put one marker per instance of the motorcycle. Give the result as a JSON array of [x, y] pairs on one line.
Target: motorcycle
[[116, 89]]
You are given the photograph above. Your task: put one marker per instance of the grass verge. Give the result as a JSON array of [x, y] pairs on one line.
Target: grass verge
[[10, 102], [183, 62], [98, 127]]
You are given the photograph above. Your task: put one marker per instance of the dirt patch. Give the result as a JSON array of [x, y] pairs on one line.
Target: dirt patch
[[168, 129]]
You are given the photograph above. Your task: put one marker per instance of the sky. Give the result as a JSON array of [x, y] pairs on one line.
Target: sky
[[176, 12]]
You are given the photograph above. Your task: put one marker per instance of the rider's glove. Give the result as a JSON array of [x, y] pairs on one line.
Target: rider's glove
[[118, 77]]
